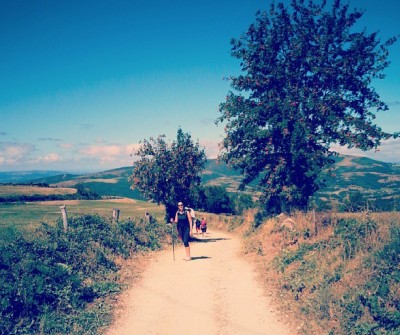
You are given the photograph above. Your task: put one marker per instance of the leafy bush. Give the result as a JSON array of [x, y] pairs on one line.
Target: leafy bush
[[354, 235], [217, 200], [49, 277]]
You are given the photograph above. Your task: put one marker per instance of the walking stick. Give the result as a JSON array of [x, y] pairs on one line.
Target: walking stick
[[172, 235], [173, 245]]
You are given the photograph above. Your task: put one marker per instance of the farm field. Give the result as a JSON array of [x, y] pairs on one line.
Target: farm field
[[24, 216], [21, 190]]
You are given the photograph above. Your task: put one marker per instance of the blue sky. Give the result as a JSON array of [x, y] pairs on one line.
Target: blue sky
[[82, 82]]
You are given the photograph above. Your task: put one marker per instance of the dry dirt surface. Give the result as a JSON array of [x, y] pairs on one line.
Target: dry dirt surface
[[217, 292]]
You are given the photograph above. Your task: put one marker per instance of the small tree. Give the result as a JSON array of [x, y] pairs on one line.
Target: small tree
[[167, 173], [217, 200], [306, 86], [354, 201], [242, 202]]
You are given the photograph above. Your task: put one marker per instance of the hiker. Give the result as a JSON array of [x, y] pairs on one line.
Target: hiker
[[203, 226], [184, 224], [197, 226], [193, 215]]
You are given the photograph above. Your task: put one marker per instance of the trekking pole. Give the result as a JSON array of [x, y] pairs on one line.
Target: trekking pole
[[172, 235], [173, 245]]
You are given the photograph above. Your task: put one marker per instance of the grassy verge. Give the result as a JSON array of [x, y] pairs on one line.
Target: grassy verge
[[336, 274], [61, 283]]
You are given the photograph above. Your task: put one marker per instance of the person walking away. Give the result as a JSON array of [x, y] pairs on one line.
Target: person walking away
[[203, 226], [198, 226], [193, 215], [184, 224]]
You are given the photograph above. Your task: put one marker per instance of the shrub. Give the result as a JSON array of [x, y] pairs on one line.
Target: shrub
[[49, 277]]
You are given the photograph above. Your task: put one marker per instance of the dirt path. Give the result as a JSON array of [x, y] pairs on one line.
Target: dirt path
[[215, 293]]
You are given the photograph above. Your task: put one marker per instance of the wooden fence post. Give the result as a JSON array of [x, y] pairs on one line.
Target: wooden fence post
[[64, 216], [115, 214], [315, 223]]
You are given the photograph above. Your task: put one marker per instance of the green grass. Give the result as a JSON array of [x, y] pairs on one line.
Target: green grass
[[24, 215]]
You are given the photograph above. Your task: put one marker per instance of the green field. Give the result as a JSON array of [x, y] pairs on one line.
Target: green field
[[21, 190], [25, 215]]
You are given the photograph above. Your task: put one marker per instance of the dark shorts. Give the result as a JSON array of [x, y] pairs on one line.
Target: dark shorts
[[203, 229], [184, 234]]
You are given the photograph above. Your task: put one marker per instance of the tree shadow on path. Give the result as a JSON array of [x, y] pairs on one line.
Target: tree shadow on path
[[196, 258], [208, 240]]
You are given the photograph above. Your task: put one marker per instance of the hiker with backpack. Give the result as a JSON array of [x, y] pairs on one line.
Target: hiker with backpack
[[183, 220]]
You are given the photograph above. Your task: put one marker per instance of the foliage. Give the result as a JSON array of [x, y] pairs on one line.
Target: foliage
[[374, 308], [86, 193], [215, 199], [354, 202], [49, 277], [167, 173], [242, 202], [306, 85], [347, 279]]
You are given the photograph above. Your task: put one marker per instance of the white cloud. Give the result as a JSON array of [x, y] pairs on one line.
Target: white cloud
[[49, 158], [101, 150], [111, 154], [211, 148], [66, 146], [15, 153], [389, 151]]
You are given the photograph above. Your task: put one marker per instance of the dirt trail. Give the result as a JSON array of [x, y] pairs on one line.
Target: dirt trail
[[214, 293]]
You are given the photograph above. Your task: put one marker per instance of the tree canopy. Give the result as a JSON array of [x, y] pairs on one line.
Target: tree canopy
[[305, 85], [168, 173]]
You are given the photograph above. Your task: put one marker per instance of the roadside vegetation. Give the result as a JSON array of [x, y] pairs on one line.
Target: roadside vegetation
[[305, 87], [335, 274], [56, 282]]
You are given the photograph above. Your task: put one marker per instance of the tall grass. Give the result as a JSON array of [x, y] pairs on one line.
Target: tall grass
[[58, 283], [338, 273]]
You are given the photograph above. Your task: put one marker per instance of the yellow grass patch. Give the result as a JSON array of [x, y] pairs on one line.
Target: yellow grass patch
[[20, 190], [100, 180]]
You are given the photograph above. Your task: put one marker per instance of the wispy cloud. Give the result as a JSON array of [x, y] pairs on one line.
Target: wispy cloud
[[49, 139], [389, 151], [211, 148], [66, 146], [15, 153], [109, 153], [49, 158], [86, 126]]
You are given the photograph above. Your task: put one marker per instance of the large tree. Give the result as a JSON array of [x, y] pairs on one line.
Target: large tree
[[305, 85], [168, 173]]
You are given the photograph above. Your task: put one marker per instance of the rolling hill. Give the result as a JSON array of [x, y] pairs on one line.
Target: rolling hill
[[371, 177]]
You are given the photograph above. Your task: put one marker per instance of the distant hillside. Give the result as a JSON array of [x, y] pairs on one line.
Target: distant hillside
[[108, 183], [372, 178], [26, 176], [219, 174]]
